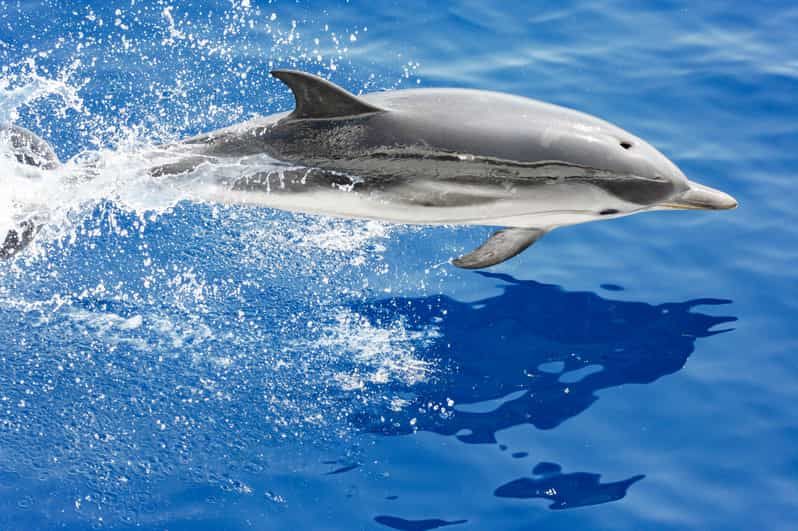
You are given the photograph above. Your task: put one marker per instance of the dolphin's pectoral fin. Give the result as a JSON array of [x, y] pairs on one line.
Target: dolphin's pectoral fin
[[318, 98], [503, 245]]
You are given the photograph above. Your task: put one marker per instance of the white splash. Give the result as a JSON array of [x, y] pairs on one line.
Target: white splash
[[18, 91], [382, 353]]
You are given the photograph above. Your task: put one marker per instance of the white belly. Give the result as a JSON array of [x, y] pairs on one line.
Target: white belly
[[421, 201], [549, 206]]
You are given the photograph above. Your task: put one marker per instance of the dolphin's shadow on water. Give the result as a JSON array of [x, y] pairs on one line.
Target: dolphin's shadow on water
[[537, 354], [565, 491]]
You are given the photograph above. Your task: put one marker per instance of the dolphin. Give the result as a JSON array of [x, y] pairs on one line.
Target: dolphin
[[440, 156]]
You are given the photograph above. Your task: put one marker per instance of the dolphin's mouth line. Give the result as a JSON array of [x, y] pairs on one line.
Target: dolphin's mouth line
[[677, 206]]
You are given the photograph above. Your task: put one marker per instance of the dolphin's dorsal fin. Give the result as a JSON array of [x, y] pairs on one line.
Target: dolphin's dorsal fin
[[503, 245], [318, 98]]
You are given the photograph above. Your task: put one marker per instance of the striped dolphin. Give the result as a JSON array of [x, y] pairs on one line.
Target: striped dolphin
[[442, 156]]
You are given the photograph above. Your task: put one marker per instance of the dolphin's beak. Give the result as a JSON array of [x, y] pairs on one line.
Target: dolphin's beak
[[700, 197]]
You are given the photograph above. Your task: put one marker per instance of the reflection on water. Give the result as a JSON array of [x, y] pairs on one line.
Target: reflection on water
[[415, 525], [536, 354], [566, 491]]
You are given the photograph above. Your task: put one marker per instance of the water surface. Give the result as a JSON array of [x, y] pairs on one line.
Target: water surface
[[167, 363]]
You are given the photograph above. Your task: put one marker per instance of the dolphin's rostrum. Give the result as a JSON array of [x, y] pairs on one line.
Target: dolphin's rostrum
[[443, 156]]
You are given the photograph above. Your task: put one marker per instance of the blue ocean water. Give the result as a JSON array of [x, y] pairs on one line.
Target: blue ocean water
[[168, 364]]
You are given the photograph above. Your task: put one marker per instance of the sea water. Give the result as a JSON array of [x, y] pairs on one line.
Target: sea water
[[171, 363]]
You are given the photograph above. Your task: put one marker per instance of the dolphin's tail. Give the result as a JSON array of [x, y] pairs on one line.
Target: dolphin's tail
[[18, 238], [26, 148]]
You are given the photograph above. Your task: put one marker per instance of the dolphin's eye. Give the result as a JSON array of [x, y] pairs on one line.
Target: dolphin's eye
[[626, 145], [608, 212]]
